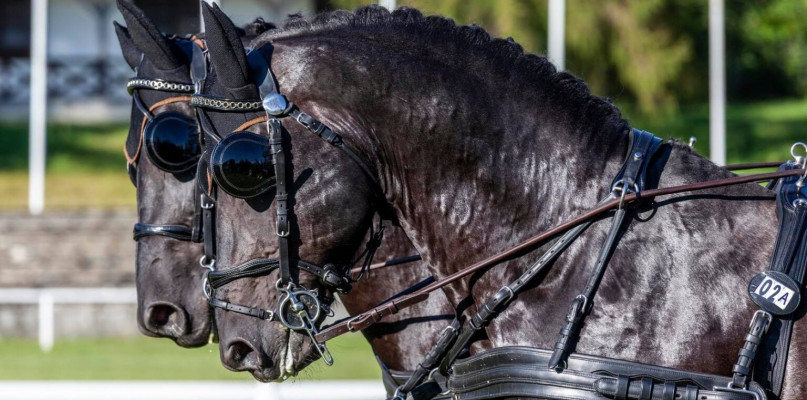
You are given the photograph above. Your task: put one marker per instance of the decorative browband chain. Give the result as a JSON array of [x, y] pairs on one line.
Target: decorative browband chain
[[158, 84], [223, 104]]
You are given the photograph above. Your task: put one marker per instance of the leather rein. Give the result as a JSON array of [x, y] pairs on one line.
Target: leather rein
[[370, 317]]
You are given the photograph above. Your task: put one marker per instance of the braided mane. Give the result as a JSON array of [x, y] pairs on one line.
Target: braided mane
[[505, 54]]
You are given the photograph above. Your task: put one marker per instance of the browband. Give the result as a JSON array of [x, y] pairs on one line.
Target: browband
[[140, 82]]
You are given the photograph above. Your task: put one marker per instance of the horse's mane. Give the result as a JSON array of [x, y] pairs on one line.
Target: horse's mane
[[504, 53]]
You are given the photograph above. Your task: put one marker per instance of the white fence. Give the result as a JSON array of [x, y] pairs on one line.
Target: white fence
[[190, 390], [46, 298]]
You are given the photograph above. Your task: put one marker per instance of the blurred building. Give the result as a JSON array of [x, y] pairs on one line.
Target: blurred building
[[86, 72]]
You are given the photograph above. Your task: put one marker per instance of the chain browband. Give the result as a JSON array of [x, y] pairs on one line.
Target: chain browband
[[158, 84], [224, 104]]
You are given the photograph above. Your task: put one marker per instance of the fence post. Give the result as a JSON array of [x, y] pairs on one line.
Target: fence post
[[46, 318], [38, 106], [556, 46], [388, 4]]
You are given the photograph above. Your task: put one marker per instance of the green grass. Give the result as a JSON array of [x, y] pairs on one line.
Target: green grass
[[160, 359], [85, 168], [86, 164]]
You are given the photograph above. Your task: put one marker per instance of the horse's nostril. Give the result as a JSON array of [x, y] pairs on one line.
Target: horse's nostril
[[241, 356], [160, 315], [165, 319]]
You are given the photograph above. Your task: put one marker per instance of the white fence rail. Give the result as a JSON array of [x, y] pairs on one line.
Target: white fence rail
[[190, 390], [46, 298]]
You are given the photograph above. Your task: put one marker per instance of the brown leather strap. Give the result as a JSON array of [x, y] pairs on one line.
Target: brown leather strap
[[368, 318], [740, 167], [132, 159], [199, 42], [251, 122]]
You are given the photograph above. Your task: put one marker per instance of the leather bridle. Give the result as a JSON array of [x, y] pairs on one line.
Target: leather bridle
[[298, 308], [133, 86]]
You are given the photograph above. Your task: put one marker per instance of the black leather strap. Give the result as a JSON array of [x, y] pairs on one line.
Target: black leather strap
[[432, 358], [517, 373], [582, 304], [281, 197], [252, 312], [789, 257], [263, 266], [208, 206], [631, 178], [178, 232]]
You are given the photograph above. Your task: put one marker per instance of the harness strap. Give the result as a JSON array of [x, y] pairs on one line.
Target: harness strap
[[281, 197], [432, 358], [586, 377], [499, 301], [252, 312], [789, 257], [631, 171], [370, 317]]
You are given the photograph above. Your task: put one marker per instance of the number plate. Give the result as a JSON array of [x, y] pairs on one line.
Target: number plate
[[775, 292]]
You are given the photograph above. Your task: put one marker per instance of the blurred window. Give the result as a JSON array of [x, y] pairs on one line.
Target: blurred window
[[176, 16], [15, 28]]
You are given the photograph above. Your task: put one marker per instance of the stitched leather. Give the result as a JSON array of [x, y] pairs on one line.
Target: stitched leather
[[519, 371]]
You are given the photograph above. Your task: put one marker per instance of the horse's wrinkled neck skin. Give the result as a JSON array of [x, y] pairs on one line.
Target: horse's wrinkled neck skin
[[468, 158], [475, 159]]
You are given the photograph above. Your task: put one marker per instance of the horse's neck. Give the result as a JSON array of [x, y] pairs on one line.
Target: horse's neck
[[487, 188]]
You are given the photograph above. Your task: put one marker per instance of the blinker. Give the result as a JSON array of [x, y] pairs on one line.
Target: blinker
[[172, 142], [242, 165]]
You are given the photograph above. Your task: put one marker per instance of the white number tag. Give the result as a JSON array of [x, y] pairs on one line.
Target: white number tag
[[775, 292]]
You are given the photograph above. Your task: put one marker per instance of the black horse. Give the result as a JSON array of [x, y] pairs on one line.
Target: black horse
[[170, 302], [478, 146]]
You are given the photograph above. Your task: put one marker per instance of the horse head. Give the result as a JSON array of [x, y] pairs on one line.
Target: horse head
[[162, 151], [276, 260]]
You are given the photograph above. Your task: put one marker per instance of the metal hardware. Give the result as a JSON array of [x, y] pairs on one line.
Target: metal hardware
[[585, 301], [798, 159], [692, 140], [205, 204], [351, 321], [768, 317], [206, 288], [732, 389], [275, 104], [208, 264]]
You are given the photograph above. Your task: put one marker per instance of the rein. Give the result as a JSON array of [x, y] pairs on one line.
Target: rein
[[370, 317]]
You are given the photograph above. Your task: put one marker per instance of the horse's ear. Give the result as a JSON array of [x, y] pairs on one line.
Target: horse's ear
[[147, 38], [226, 50], [130, 52]]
